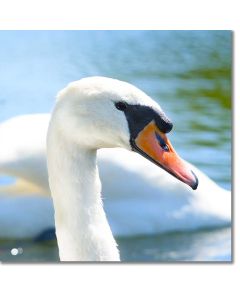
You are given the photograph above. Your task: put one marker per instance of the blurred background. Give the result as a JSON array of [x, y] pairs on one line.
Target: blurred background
[[188, 72]]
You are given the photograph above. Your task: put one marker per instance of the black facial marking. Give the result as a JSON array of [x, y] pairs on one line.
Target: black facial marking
[[138, 116]]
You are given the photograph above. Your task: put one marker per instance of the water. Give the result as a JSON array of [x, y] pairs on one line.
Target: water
[[200, 246], [188, 72]]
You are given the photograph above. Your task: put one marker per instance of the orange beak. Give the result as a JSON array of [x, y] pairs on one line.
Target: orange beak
[[154, 145]]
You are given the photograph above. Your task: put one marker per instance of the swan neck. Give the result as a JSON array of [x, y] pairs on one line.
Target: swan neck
[[82, 229]]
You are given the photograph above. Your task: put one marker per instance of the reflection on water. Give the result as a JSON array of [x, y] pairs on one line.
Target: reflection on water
[[188, 72], [209, 245]]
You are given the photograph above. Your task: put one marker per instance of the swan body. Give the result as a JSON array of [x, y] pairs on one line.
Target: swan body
[[168, 205]]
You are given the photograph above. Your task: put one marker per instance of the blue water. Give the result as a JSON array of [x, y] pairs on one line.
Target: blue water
[[188, 72]]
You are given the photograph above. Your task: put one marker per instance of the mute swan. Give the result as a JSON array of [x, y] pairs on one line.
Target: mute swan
[[89, 114], [25, 211]]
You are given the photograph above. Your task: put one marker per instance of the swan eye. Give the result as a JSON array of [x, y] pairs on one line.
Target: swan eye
[[121, 105]]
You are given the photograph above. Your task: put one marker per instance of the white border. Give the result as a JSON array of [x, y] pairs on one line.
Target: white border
[[160, 281], [124, 14]]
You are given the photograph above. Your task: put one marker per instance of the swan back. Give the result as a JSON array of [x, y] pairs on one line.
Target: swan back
[[23, 152]]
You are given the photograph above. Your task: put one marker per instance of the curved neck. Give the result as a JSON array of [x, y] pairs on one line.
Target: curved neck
[[82, 230]]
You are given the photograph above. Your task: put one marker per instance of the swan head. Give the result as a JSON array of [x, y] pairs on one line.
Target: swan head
[[100, 112]]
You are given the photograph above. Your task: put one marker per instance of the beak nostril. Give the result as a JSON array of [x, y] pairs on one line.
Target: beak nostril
[[161, 142], [165, 147]]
